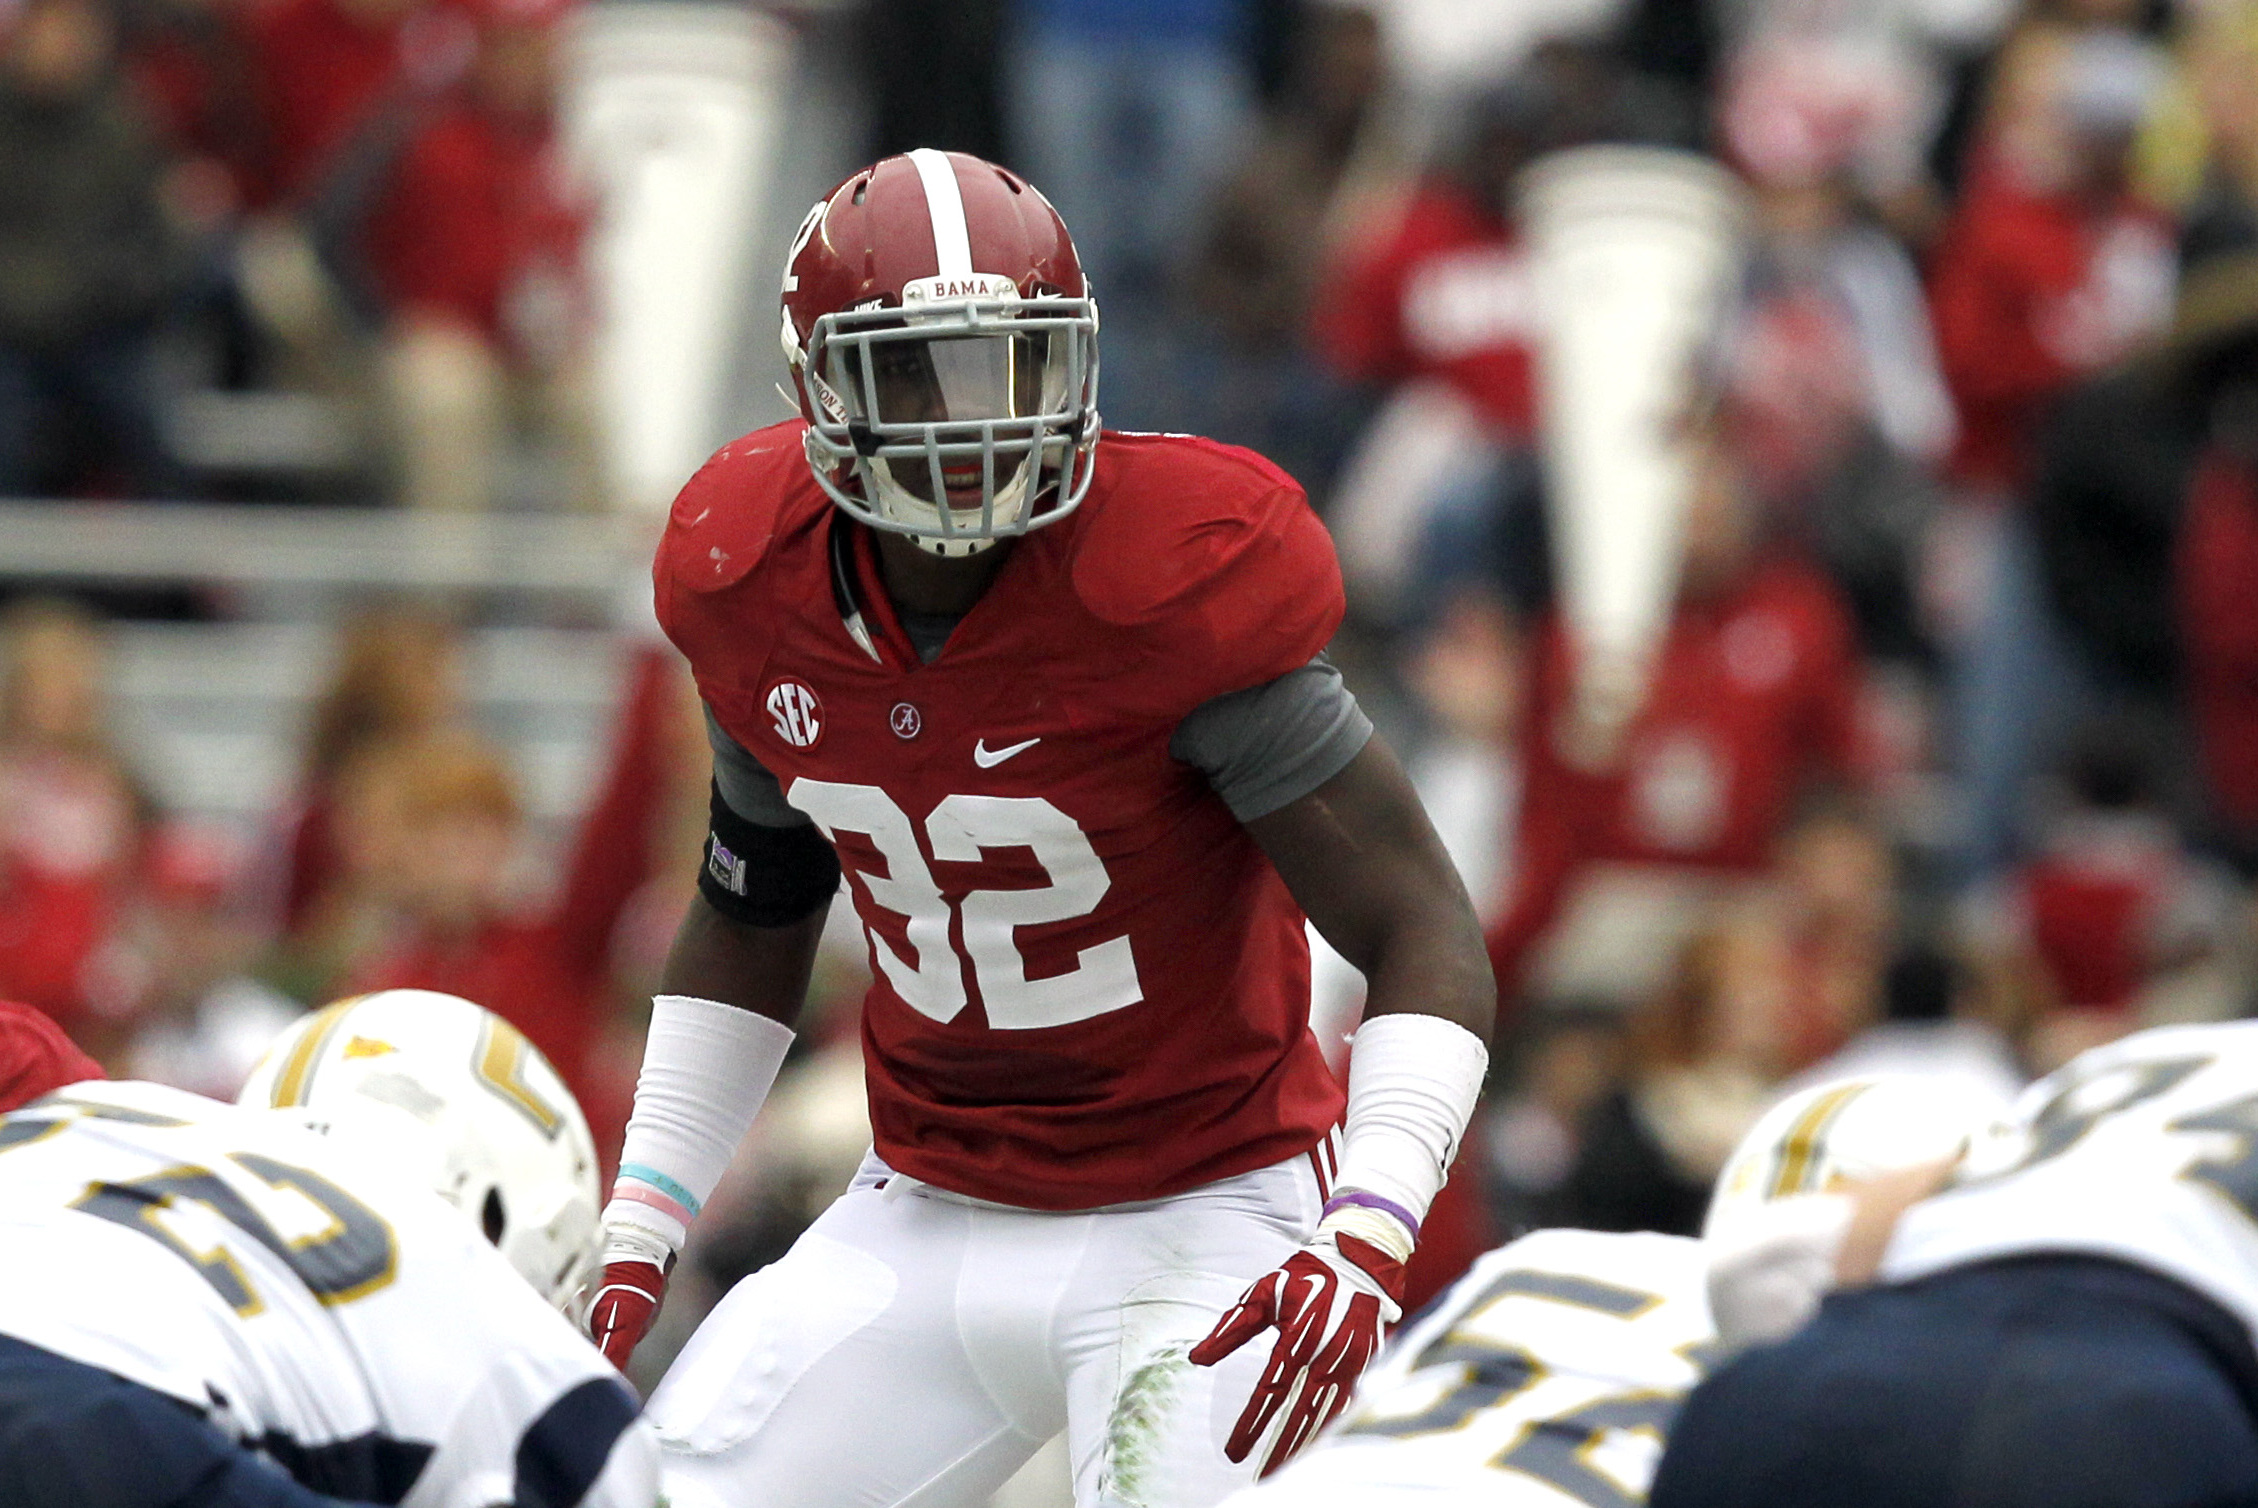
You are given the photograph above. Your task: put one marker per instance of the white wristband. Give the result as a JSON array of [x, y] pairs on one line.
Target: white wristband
[[1413, 1080], [706, 1069]]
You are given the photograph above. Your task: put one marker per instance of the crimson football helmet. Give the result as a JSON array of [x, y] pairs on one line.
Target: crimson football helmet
[[944, 343]]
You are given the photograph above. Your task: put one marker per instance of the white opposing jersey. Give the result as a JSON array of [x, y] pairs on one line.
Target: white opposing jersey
[[348, 1324], [1546, 1377], [2145, 1150]]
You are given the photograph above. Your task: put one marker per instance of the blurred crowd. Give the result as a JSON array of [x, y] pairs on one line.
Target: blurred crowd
[[360, 202], [1949, 758]]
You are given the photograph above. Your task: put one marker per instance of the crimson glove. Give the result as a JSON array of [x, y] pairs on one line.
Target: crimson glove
[[1330, 1303], [627, 1300]]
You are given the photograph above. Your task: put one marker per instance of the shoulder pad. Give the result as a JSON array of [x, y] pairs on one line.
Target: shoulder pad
[[1211, 555], [755, 494], [725, 515]]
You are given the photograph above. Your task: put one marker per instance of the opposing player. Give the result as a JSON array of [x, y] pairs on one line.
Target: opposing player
[[1547, 1378], [1550, 1374], [212, 1304], [1056, 703], [2063, 1317]]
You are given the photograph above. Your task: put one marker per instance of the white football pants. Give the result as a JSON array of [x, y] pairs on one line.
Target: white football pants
[[914, 1348]]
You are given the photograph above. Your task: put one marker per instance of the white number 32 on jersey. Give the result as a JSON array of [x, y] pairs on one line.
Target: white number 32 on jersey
[[1105, 975]]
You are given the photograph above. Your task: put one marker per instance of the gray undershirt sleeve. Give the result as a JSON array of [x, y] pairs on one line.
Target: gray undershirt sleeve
[[746, 784], [1270, 745]]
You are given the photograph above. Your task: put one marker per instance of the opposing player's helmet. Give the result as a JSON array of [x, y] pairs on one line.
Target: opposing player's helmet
[[1845, 1132], [1774, 1233], [450, 1091], [944, 344]]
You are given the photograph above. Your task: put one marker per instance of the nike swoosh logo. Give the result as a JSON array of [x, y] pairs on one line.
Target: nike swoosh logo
[[988, 758]]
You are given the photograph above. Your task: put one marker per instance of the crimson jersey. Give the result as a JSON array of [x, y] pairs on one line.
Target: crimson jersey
[[1089, 985], [1442, 291]]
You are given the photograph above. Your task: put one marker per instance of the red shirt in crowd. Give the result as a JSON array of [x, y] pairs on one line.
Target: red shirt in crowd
[[2030, 292], [1090, 986], [479, 207], [1441, 291], [551, 975], [1753, 694], [2094, 908], [69, 837], [324, 74], [194, 76]]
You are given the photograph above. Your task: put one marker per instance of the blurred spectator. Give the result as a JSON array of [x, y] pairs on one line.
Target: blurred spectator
[[2216, 355], [1932, 1027], [2112, 474], [1127, 114], [473, 246], [2111, 906], [1555, 1068], [1266, 239], [87, 262], [1817, 936], [192, 68], [71, 821], [2051, 271], [2199, 155], [339, 83], [398, 676], [36, 1059], [1431, 304], [433, 827], [434, 822], [1704, 1055], [202, 1020], [342, 86], [1826, 354], [191, 65], [1751, 700]]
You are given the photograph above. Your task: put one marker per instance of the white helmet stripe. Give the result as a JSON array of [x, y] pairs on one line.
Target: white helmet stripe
[[952, 238]]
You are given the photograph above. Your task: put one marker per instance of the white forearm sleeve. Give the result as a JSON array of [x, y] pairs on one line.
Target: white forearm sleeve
[[706, 1069], [1413, 1080]]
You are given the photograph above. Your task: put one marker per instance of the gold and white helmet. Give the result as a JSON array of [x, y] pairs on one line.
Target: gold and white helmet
[[1845, 1132], [435, 1084], [1776, 1220]]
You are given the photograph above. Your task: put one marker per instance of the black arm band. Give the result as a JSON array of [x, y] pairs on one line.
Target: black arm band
[[766, 876]]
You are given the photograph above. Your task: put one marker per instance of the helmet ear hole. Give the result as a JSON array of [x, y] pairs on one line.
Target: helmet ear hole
[[493, 1218]]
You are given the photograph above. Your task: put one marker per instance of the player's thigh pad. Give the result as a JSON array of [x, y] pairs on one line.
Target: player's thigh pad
[[836, 1375], [1146, 1427]]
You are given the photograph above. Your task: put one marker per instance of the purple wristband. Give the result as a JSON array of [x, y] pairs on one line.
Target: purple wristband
[[1363, 1200]]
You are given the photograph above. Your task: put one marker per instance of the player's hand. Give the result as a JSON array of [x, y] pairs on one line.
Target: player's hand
[[1330, 1304], [627, 1300]]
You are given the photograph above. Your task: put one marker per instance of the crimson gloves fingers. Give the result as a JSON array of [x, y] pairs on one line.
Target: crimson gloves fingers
[[1327, 1307], [627, 1300]]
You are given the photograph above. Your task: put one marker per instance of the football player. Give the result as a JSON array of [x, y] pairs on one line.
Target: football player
[[224, 1306], [1549, 1376], [1056, 703], [2063, 1315]]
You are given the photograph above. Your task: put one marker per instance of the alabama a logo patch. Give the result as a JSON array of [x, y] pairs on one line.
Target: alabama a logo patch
[[795, 713]]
